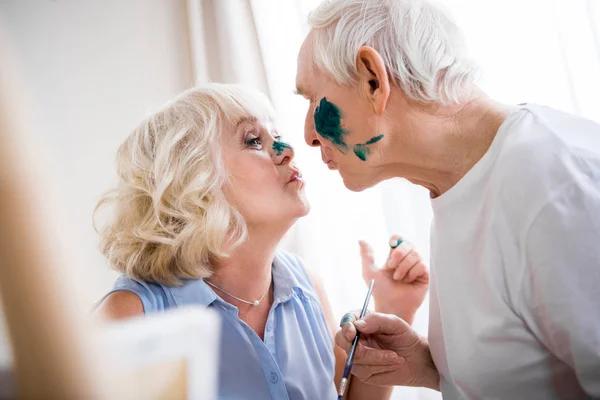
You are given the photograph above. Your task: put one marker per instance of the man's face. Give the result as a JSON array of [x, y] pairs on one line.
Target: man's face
[[340, 121]]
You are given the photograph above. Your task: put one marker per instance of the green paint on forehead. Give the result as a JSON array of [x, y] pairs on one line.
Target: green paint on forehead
[[279, 147], [328, 123]]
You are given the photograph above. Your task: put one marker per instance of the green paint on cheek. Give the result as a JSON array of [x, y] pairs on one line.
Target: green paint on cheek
[[328, 123], [279, 147], [374, 139], [362, 151]]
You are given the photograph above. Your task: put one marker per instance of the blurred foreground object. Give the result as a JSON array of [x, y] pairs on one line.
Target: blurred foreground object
[[51, 358], [166, 356], [55, 354]]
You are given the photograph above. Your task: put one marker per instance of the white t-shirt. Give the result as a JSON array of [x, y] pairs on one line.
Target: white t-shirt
[[515, 260]]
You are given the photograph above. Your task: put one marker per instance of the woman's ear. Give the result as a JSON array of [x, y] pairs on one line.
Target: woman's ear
[[373, 78]]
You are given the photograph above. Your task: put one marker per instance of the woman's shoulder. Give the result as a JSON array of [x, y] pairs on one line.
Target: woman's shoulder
[[153, 296], [121, 305]]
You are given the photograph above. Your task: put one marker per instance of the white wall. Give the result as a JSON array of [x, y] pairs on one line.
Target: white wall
[[95, 69]]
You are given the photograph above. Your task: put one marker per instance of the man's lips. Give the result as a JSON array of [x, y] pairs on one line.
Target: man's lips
[[328, 159], [330, 164]]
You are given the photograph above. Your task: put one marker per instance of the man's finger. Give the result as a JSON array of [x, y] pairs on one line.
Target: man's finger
[[378, 323], [418, 272], [395, 241], [349, 317], [368, 261], [397, 377], [349, 330], [342, 342], [409, 260], [346, 334], [366, 355], [365, 373], [397, 255]]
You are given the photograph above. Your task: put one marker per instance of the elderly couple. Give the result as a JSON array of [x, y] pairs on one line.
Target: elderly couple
[[207, 189]]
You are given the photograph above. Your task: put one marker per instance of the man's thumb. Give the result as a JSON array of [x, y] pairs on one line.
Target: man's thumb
[[368, 261]]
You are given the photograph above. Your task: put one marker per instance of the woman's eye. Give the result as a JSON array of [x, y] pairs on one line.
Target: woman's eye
[[254, 142]]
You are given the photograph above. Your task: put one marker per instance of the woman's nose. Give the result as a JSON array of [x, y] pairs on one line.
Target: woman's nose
[[283, 153]]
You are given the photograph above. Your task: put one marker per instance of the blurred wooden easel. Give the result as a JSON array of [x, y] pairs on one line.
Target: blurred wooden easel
[[51, 358], [56, 355]]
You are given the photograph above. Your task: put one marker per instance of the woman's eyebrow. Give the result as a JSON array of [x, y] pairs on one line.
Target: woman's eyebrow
[[244, 120]]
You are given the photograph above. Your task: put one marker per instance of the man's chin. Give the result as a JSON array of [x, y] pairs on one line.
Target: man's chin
[[355, 183]]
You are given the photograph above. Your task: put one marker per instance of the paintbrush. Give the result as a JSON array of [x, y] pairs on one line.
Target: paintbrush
[[350, 358]]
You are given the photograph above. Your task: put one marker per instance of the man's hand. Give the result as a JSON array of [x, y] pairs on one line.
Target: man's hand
[[381, 335], [401, 285]]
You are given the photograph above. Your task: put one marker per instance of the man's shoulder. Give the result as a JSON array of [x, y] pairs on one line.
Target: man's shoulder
[[546, 150]]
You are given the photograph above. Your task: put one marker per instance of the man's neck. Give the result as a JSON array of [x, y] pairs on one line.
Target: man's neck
[[451, 140]]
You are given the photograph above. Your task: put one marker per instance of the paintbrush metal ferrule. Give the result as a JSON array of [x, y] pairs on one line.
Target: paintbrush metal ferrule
[[342, 387]]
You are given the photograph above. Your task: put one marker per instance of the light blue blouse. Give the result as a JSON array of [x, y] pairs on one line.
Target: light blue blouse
[[295, 361]]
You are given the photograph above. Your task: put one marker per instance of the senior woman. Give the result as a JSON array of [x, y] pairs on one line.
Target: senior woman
[[515, 192], [206, 192]]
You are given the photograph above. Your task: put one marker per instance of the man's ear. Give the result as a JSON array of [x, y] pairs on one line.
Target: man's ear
[[373, 78]]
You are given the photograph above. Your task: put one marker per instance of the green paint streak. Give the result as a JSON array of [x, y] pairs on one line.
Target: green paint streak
[[398, 243], [362, 151], [346, 319], [374, 139], [328, 123], [279, 147]]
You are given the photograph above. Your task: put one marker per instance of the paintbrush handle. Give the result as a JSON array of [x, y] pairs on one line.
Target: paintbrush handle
[[350, 359]]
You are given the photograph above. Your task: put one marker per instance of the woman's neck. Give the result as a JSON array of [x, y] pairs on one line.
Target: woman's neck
[[247, 272], [447, 143]]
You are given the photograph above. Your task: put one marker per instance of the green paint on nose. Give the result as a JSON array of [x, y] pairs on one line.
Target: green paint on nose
[[328, 123], [279, 147]]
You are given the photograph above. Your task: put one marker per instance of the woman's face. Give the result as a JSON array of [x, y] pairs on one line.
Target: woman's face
[[264, 185]]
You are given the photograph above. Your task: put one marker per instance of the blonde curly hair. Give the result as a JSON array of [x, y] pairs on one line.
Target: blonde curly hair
[[169, 217]]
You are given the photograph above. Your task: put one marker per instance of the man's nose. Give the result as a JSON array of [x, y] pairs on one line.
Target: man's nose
[[310, 135]]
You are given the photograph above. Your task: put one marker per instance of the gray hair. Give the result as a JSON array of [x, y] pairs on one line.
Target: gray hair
[[422, 48]]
